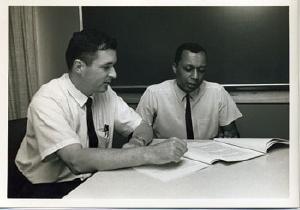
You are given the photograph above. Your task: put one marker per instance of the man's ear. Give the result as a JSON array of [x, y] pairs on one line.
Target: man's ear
[[174, 67], [78, 66]]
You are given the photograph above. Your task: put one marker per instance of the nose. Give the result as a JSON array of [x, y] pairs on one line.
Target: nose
[[112, 73], [195, 74]]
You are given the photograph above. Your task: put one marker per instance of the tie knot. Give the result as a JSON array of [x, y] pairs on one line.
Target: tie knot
[[89, 102], [187, 96]]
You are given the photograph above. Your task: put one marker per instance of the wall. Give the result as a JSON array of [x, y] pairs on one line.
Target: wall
[[264, 121], [55, 26]]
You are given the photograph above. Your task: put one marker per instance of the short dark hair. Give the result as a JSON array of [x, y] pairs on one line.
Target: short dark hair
[[84, 45], [190, 46]]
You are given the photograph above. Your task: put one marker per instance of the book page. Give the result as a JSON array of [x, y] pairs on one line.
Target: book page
[[276, 141], [171, 171], [258, 144], [209, 152]]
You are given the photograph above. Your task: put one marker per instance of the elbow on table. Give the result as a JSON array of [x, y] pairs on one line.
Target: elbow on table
[[78, 165], [72, 157], [75, 168]]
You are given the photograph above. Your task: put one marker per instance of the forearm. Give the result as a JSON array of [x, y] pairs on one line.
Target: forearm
[[142, 135], [229, 131], [107, 159], [87, 160]]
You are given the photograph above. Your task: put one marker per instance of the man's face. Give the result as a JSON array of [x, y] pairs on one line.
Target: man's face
[[98, 75], [190, 70]]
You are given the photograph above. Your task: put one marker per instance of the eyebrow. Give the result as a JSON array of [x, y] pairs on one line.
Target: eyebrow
[[195, 66], [110, 63]]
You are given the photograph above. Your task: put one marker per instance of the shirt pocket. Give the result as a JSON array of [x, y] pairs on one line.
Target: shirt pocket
[[103, 137]]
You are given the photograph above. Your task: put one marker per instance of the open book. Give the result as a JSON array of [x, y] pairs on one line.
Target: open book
[[201, 153], [229, 149]]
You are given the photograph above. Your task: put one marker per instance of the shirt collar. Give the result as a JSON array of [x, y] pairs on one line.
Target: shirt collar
[[181, 94], [79, 97]]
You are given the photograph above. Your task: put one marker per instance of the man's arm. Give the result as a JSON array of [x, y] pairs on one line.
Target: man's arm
[[86, 160], [141, 136], [147, 106], [229, 131], [228, 112]]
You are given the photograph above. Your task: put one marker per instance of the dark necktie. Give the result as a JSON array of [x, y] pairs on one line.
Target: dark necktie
[[188, 119], [93, 140]]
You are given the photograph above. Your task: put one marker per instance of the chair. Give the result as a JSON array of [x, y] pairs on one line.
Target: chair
[[16, 132]]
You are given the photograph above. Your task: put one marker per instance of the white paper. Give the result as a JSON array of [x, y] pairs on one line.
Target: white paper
[[210, 152], [172, 171]]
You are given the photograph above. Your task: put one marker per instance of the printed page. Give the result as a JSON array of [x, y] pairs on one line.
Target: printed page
[[209, 152], [171, 171], [258, 144]]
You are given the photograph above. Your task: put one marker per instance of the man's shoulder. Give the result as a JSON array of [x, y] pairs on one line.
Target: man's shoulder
[[55, 88], [212, 86], [162, 87]]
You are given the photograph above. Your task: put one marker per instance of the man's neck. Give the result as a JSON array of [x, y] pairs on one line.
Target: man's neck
[[192, 93], [78, 84]]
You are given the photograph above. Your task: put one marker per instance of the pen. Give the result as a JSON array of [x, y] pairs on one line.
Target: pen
[[106, 130]]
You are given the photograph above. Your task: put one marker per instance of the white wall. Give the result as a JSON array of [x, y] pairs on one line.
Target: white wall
[[55, 26]]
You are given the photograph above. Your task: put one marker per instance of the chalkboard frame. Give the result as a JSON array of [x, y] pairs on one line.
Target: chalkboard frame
[[231, 87]]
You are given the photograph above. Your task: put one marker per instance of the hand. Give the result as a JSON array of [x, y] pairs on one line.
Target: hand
[[170, 150]]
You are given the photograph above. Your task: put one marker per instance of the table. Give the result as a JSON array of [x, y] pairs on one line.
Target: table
[[262, 177]]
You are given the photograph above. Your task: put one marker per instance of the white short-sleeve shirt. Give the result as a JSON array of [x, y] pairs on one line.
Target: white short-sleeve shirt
[[163, 106], [57, 118]]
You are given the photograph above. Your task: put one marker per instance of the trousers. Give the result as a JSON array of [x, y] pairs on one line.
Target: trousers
[[48, 190]]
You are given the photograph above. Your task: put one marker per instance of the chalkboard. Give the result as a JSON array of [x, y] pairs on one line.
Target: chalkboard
[[245, 45]]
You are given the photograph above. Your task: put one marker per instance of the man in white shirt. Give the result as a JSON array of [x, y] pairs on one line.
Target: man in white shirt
[[71, 122], [189, 107]]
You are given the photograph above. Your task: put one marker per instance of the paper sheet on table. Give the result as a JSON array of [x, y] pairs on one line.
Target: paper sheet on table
[[171, 171]]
